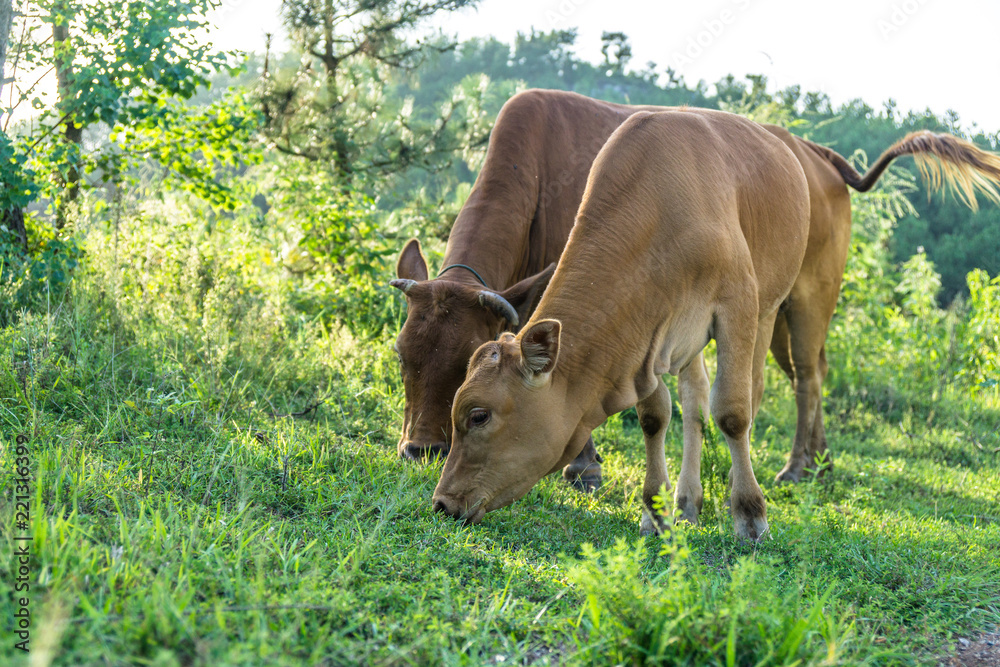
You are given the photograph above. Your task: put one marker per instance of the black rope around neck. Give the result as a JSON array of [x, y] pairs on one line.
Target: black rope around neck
[[467, 268]]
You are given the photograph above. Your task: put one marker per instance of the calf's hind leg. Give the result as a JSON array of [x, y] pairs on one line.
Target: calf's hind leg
[[692, 385], [654, 417], [733, 401], [781, 346]]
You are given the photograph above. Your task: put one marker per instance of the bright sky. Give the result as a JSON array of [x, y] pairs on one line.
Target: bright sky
[[922, 53]]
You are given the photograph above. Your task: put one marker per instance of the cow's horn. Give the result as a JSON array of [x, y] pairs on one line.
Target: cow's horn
[[403, 284], [498, 305]]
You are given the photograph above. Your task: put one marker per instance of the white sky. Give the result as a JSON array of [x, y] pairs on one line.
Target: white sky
[[941, 54]]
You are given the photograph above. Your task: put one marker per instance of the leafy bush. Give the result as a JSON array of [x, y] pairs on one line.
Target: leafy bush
[[889, 333], [980, 334], [682, 616], [337, 248], [40, 278]]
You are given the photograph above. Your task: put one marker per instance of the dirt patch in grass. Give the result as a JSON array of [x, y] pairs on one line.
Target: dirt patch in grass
[[982, 652]]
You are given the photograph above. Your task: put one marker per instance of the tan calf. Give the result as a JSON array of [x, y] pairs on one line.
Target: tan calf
[[693, 226]]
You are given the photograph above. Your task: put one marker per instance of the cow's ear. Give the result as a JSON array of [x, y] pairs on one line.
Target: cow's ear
[[525, 295], [540, 346], [411, 264]]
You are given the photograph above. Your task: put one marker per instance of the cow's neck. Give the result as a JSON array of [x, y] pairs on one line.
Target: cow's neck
[[492, 236], [608, 329], [600, 378]]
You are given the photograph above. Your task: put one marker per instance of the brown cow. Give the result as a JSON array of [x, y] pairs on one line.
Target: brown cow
[[693, 226]]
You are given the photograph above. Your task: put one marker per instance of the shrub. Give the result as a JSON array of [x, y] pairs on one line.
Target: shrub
[[682, 616]]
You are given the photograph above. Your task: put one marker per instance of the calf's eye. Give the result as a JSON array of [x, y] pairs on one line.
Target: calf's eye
[[478, 417]]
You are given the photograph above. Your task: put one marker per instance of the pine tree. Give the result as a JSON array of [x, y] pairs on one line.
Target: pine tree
[[335, 107]]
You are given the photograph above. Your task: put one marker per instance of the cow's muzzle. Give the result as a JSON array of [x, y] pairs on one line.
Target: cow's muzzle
[[457, 510], [416, 451]]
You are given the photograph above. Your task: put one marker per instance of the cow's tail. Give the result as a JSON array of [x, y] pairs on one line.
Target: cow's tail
[[943, 161]]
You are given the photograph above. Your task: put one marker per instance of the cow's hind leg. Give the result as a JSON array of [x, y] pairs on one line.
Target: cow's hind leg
[[732, 401], [817, 444], [781, 348], [764, 330], [584, 472], [808, 327], [654, 417], [693, 387]]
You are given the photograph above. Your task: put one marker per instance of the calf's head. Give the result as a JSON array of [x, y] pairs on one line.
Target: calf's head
[[446, 321], [512, 424]]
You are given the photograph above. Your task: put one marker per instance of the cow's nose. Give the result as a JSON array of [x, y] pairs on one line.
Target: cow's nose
[[419, 452], [441, 504]]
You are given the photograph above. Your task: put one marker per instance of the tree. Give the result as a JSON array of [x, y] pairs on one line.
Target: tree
[[157, 63], [334, 107], [11, 215], [6, 19], [617, 51]]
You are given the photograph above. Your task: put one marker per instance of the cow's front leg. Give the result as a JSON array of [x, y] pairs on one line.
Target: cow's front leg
[[654, 417], [584, 473]]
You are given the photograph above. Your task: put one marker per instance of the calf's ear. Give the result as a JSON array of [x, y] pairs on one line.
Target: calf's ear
[[525, 295], [411, 264], [540, 346]]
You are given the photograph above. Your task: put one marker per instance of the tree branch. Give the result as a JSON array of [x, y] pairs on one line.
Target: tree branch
[[288, 150]]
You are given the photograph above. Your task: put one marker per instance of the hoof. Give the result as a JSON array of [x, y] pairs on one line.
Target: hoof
[[585, 484], [795, 474], [688, 510], [649, 526], [584, 472], [584, 478], [750, 515], [789, 474], [753, 530]]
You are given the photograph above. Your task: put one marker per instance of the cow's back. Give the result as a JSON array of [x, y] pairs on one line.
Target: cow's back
[[829, 213], [522, 207], [675, 198]]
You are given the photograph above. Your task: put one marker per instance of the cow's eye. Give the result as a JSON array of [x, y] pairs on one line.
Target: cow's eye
[[478, 417]]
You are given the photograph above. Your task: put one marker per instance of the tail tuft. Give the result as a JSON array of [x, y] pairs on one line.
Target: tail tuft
[[944, 161], [947, 161]]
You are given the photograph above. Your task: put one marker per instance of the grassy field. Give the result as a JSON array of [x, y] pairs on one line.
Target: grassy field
[[177, 518]]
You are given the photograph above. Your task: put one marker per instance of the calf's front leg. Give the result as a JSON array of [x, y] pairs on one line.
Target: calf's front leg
[[692, 385]]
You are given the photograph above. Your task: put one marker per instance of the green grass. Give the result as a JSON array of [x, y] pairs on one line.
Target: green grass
[[175, 520]]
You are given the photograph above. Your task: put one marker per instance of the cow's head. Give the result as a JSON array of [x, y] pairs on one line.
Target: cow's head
[[512, 424], [445, 322]]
